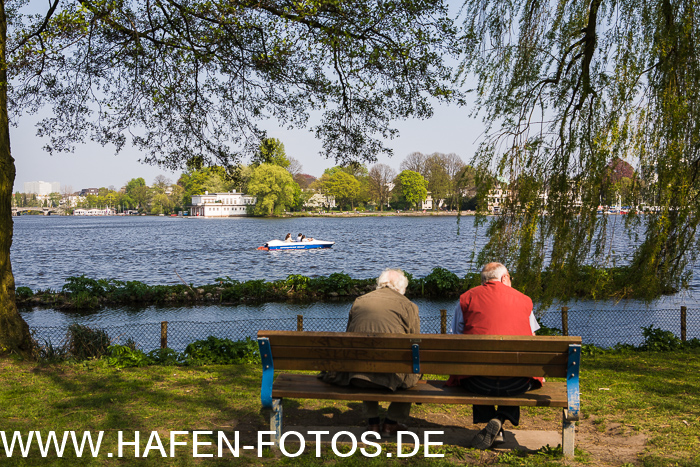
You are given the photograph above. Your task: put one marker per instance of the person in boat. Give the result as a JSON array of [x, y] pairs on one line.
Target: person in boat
[[383, 310], [288, 238], [494, 307], [308, 239], [299, 237]]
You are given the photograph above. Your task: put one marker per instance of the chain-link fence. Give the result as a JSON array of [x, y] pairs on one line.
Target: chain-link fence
[[606, 328], [600, 327]]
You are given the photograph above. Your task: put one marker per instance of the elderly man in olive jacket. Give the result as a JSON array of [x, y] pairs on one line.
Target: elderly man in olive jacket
[[384, 310]]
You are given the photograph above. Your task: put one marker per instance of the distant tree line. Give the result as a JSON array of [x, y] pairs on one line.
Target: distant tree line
[[279, 184]]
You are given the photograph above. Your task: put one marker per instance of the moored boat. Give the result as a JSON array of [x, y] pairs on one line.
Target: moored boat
[[303, 245]]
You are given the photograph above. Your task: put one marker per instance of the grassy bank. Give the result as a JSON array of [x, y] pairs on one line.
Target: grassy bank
[[625, 396], [84, 293]]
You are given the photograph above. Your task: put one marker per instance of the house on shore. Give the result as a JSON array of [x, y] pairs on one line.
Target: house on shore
[[94, 212], [319, 200], [230, 204]]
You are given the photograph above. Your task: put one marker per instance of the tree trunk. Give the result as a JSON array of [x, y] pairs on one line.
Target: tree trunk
[[14, 332]]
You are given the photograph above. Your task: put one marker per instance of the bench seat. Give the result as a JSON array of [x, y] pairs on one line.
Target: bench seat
[[299, 386]]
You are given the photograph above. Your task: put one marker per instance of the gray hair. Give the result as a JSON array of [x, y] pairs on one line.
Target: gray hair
[[393, 279], [493, 272]]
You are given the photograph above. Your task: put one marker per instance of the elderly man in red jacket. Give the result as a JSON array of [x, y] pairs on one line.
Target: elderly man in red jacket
[[494, 307]]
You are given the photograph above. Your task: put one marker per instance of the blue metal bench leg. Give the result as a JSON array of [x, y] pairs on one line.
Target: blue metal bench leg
[[276, 421], [571, 414], [568, 434]]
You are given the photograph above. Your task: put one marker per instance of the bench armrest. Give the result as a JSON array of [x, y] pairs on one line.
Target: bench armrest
[[572, 382], [268, 372]]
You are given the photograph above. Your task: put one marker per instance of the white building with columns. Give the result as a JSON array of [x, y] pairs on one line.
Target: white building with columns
[[230, 204]]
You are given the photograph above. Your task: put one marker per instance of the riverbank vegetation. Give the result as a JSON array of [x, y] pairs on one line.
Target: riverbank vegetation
[[637, 404], [83, 293]]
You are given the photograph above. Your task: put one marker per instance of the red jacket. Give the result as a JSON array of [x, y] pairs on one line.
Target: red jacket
[[496, 309]]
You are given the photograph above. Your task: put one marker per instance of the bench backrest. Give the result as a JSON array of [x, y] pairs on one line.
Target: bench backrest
[[419, 353]]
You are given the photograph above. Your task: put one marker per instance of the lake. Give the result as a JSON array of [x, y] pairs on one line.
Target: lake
[[162, 250], [47, 250]]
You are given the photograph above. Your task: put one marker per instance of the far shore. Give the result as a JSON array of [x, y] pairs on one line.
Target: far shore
[[378, 213], [300, 214]]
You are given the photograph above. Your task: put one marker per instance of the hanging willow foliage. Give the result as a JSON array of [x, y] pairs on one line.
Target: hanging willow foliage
[[566, 88]]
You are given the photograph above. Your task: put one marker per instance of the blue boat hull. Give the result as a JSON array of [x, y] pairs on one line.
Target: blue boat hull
[[299, 247], [310, 245]]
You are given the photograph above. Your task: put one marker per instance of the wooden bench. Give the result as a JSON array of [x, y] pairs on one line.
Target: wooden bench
[[434, 354]]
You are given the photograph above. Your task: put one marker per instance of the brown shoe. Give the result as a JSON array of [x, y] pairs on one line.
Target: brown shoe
[[389, 430]]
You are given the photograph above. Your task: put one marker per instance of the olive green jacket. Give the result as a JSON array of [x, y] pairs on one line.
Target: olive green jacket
[[381, 311]]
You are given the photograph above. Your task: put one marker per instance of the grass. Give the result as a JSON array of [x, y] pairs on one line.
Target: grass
[[655, 394], [648, 392]]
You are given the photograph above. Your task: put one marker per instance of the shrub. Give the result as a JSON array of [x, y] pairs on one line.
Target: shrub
[[337, 282], [124, 356], [297, 282], [659, 340], [221, 351], [85, 342], [165, 357], [256, 289], [471, 280], [23, 293], [134, 290], [440, 281], [231, 293], [547, 331], [46, 352], [82, 300], [85, 285]]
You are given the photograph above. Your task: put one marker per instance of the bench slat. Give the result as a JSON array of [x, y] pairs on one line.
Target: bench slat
[[426, 356], [553, 394], [434, 368], [426, 341]]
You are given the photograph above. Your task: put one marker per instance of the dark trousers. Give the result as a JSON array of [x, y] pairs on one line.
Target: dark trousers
[[397, 411], [496, 387]]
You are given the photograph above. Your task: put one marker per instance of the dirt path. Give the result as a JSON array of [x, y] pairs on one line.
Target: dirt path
[[606, 444]]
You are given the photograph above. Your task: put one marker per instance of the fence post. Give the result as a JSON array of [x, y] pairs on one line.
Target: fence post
[[163, 334], [300, 322], [684, 317], [565, 321], [443, 321]]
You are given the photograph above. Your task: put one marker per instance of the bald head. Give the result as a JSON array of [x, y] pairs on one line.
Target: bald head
[[495, 272]]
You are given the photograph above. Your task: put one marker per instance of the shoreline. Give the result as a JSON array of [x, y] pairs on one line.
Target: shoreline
[[379, 214], [286, 214]]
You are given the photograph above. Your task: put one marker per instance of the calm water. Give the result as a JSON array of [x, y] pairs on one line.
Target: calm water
[[47, 250], [154, 250]]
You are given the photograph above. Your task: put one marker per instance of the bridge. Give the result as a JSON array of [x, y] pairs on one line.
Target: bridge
[[45, 211]]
